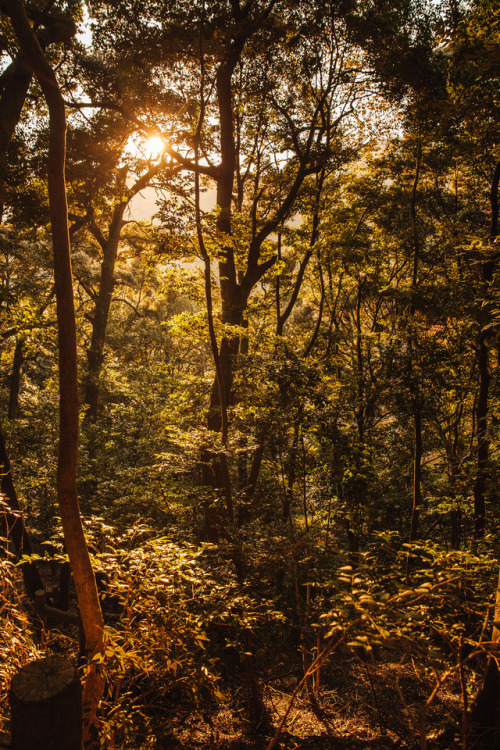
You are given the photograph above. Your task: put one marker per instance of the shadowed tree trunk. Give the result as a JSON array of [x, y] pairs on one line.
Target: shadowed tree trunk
[[74, 537], [15, 379], [249, 177], [481, 435], [484, 375], [102, 301], [486, 710], [414, 384], [15, 82], [236, 287]]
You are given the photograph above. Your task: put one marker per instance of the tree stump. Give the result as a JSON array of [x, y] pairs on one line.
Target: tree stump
[[46, 706]]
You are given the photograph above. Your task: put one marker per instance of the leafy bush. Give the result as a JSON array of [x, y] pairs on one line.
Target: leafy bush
[[16, 638], [163, 601]]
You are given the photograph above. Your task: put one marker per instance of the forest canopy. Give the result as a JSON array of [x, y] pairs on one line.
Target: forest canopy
[[249, 370]]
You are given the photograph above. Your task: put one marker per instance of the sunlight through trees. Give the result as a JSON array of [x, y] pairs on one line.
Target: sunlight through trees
[[249, 435]]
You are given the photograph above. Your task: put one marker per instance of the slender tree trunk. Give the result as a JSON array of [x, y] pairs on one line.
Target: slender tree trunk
[[15, 380], [14, 84], [481, 436], [485, 712], [484, 375], [291, 470], [281, 318], [317, 327], [102, 301], [16, 81], [486, 709], [359, 483], [244, 510], [360, 395], [304, 480], [414, 385], [95, 353], [417, 472], [235, 289], [216, 473], [233, 299], [74, 537]]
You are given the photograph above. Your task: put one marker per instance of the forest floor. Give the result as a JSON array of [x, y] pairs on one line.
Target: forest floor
[[374, 704], [371, 704], [375, 701]]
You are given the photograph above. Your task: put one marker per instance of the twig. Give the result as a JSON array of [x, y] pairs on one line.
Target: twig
[[440, 679], [317, 661], [463, 686], [381, 721]]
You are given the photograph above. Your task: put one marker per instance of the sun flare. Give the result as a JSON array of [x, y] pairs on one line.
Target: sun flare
[[154, 147]]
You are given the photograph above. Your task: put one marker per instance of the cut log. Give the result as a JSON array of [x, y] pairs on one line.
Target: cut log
[[46, 706]]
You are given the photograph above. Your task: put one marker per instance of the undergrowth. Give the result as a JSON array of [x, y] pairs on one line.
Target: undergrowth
[[181, 618]]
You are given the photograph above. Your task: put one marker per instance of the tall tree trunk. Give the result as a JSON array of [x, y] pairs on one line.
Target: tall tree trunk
[[216, 473], [417, 471], [281, 318], [359, 484], [484, 374], [360, 389], [486, 709], [233, 300], [248, 491], [485, 712], [290, 472], [74, 537], [235, 290], [102, 304], [16, 81], [481, 436], [102, 301], [15, 379], [414, 384], [14, 84]]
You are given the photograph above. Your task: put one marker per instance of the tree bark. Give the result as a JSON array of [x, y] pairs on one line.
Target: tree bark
[[486, 710], [360, 389], [102, 302], [14, 84], [74, 537], [417, 472], [482, 441], [16, 81], [481, 436], [290, 472], [283, 317], [414, 384], [15, 379], [95, 353], [237, 287]]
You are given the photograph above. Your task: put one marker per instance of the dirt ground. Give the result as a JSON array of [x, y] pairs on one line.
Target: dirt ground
[[373, 704]]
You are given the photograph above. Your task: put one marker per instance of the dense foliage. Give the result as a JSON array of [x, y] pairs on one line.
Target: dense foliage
[[283, 220]]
